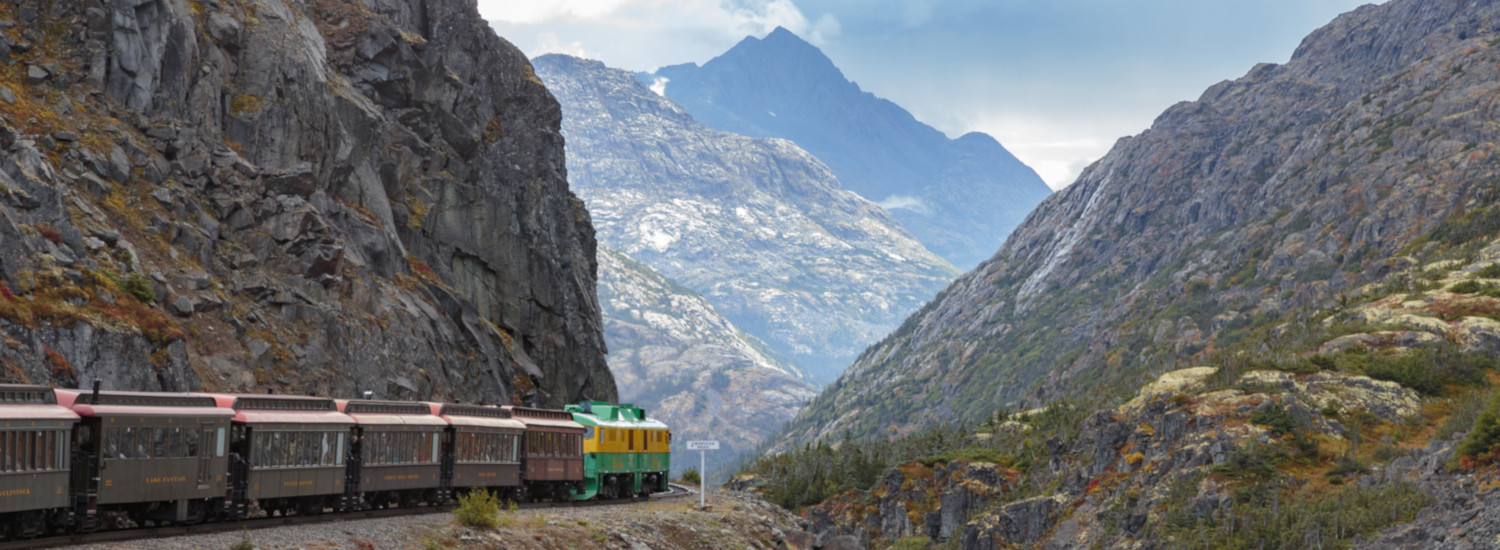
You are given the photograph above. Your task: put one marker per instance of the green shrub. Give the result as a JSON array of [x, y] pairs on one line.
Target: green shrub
[[1427, 371], [1276, 418], [139, 287], [1467, 410], [1424, 380], [1485, 435], [1336, 518], [478, 509], [912, 543], [692, 476], [1348, 466], [1491, 271], [1251, 461], [1465, 287], [244, 543]]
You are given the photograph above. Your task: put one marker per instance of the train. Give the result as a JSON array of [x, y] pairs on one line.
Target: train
[[77, 461]]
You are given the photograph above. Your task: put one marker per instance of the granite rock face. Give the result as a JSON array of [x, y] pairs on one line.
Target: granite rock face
[[1279, 191], [959, 197], [325, 196], [757, 227]]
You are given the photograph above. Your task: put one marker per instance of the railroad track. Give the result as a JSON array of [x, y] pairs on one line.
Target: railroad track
[[677, 491]]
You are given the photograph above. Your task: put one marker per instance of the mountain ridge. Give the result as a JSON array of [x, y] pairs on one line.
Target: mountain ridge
[[959, 197], [1283, 189]]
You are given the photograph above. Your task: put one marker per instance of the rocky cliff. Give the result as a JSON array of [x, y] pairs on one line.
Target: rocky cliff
[[758, 227], [1270, 196], [959, 197], [322, 196]]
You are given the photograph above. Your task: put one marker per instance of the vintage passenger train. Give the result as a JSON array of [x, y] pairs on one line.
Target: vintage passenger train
[[77, 461]]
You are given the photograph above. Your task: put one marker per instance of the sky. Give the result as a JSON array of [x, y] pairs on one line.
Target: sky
[[1056, 81]]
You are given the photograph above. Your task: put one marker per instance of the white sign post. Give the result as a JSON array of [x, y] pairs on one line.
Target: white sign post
[[702, 447]]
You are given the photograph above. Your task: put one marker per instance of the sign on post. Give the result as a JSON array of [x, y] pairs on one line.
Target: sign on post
[[702, 447]]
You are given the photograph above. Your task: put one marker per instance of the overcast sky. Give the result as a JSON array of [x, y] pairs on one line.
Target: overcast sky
[[1056, 81]]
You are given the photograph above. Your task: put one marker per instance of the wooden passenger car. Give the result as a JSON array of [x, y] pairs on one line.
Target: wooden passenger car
[[160, 456], [399, 447], [482, 448], [552, 453], [34, 460], [287, 452]]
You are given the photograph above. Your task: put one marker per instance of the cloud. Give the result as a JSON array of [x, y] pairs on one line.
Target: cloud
[[645, 34], [903, 202], [548, 42], [528, 13]]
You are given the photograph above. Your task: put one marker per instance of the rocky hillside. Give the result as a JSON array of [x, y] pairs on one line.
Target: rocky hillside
[[673, 353], [959, 197], [758, 227], [1285, 190], [322, 196]]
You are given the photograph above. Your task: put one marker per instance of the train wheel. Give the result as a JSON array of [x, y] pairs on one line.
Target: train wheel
[[33, 524], [195, 513]]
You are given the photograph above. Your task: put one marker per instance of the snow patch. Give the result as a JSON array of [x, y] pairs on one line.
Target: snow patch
[[660, 85], [658, 239]]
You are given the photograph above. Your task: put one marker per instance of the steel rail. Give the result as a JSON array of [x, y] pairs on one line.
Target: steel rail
[[142, 533]]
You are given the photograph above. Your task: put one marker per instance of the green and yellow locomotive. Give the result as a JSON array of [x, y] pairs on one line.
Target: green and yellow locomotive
[[625, 453]]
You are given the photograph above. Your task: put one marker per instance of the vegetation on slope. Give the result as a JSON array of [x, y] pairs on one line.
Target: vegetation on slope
[[1295, 490]]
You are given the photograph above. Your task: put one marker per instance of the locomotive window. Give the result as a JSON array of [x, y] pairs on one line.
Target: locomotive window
[[5, 443], [588, 432], [338, 456], [220, 446]]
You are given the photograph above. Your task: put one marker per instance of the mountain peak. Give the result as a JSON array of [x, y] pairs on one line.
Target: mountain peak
[[779, 47], [781, 34]]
